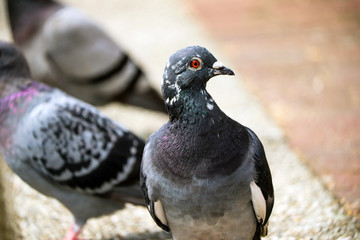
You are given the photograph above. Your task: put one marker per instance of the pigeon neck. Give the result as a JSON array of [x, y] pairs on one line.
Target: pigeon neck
[[12, 95], [192, 106], [15, 100]]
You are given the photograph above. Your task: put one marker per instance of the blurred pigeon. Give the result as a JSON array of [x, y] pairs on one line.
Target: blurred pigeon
[[63, 147], [66, 49], [203, 175]]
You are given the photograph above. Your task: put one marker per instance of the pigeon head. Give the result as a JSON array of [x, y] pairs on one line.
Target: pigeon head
[[192, 67], [188, 70], [12, 62], [27, 16]]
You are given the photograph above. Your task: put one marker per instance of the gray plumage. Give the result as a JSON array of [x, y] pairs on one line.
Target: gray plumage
[[63, 147], [203, 175], [68, 50]]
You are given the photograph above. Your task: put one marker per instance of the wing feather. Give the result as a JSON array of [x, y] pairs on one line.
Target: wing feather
[[90, 52], [155, 207], [262, 203], [76, 146]]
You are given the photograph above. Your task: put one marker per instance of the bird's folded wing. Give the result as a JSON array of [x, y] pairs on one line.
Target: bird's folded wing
[[78, 48], [261, 188], [155, 208], [73, 144]]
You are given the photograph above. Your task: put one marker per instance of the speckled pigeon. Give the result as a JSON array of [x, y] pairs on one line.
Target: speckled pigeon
[[203, 175], [66, 49], [63, 147]]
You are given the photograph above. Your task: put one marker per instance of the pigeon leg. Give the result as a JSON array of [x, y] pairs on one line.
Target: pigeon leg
[[73, 233]]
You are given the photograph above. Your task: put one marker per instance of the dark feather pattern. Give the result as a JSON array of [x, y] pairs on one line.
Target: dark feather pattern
[[93, 150]]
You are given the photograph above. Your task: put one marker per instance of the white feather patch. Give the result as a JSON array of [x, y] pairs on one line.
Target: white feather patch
[[258, 202], [210, 106], [159, 212]]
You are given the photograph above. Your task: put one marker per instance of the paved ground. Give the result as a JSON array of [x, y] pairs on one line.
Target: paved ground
[[152, 30], [302, 58]]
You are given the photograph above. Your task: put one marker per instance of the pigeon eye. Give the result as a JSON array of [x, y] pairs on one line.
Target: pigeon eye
[[195, 63]]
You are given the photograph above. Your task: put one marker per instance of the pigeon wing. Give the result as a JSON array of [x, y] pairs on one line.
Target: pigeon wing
[[79, 49], [73, 144], [155, 208], [261, 188]]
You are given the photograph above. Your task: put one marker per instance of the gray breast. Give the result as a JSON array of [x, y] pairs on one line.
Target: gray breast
[[218, 208]]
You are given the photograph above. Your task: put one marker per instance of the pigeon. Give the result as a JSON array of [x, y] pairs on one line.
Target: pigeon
[[204, 175], [63, 147], [66, 49]]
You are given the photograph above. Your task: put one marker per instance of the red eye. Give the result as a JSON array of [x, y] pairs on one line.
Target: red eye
[[195, 63]]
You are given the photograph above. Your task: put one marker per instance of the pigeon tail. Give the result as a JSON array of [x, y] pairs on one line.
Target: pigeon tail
[[140, 93]]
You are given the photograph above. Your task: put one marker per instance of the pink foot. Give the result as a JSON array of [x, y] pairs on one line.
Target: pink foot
[[73, 233]]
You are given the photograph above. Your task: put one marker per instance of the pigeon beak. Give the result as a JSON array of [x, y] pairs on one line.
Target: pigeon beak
[[220, 69]]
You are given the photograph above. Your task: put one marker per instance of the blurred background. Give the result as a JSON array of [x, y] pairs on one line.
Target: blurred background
[[302, 59], [297, 85]]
